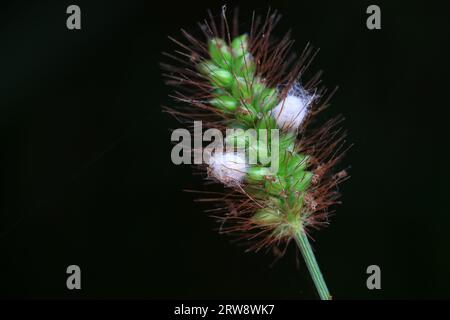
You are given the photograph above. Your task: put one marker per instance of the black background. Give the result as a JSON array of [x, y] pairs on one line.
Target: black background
[[87, 177]]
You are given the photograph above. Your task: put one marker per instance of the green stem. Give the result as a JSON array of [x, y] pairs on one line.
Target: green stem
[[308, 255]]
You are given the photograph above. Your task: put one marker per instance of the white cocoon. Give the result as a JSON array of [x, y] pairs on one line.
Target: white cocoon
[[290, 112], [228, 167]]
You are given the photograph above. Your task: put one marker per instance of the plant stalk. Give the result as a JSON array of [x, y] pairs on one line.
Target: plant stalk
[[308, 255]]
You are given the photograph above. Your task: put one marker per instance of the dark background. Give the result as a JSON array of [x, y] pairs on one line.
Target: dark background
[[87, 177]]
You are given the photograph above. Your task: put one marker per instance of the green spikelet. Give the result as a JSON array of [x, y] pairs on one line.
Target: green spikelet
[[245, 82]]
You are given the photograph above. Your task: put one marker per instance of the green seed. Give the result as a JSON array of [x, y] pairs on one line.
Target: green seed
[[268, 99], [296, 163], [220, 53], [244, 66], [222, 78], [239, 45], [207, 67], [258, 173], [241, 88], [266, 216], [225, 103], [301, 180]]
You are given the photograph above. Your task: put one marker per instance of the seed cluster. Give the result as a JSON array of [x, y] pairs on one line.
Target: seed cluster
[[251, 81]]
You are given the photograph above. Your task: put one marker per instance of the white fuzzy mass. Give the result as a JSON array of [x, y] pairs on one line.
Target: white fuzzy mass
[[290, 112], [230, 168]]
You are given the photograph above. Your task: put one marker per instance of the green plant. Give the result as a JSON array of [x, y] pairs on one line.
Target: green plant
[[249, 81]]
